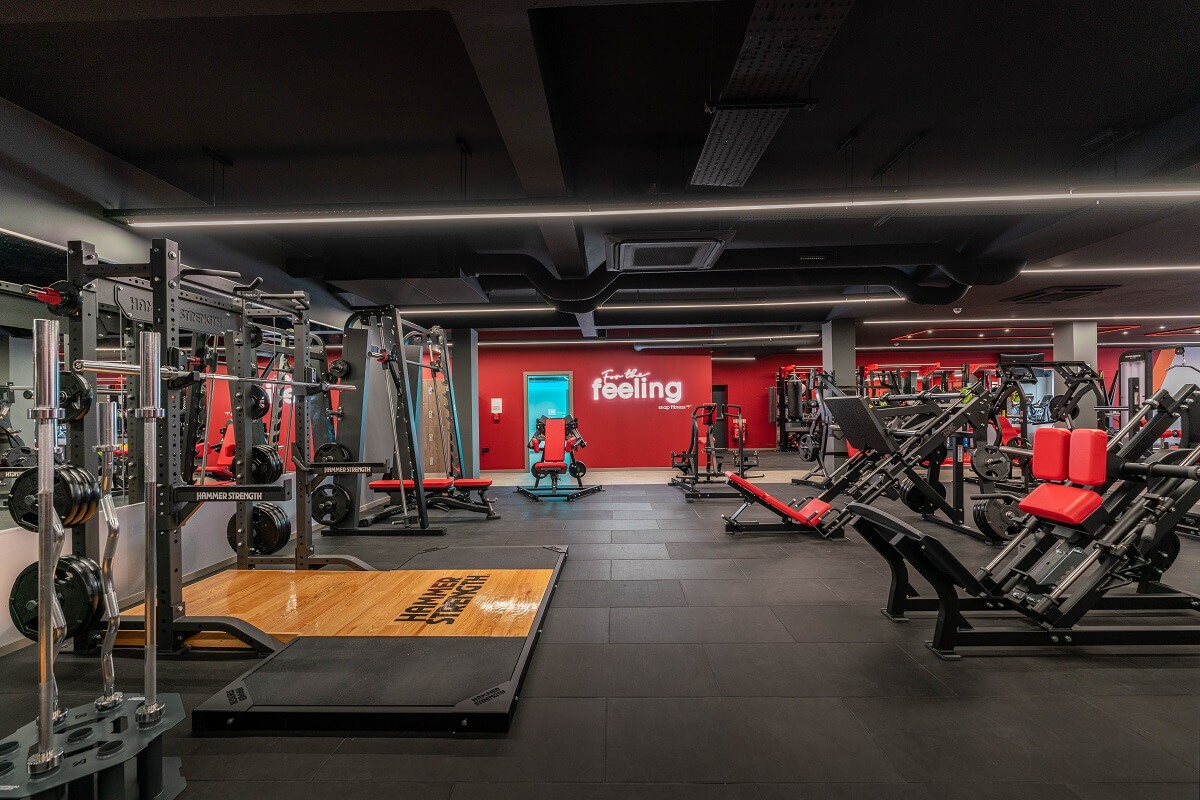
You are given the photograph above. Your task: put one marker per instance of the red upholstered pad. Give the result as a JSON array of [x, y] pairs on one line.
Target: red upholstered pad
[[812, 511], [551, 466], [1089, 457], [774, 503], [1051, 450], [472, 483], [1068, 504], [434, 484]]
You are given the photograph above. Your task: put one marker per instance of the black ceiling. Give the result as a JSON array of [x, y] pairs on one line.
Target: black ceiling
[[340, 107]]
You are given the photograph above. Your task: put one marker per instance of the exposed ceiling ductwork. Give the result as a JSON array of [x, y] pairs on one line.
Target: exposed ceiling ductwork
[[784, 267], [784, 42]]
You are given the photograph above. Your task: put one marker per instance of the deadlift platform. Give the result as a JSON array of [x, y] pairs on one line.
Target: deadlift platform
[[439, 645]]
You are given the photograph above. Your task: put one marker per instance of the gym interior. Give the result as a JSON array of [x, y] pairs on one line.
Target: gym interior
[[718, 399]]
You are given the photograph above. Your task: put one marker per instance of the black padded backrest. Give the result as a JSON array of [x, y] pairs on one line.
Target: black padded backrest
[[860, 427]]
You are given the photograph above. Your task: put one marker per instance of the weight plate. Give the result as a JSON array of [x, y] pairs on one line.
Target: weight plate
[[997, 517], [23, 499], [270, 530], [339, 368], [19, 457], [258, 402], [990, 464], [808, 447], [916, 500], [577, 469], [330, 504], [74, 396], [78, 586], [254, 336], [265, 464], [332, 453]]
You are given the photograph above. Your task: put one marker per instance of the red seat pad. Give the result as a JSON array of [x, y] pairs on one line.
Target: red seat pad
[[551, 466], [1089, 457], [472, 483], [774, 503], [1051, 451], [1068, 504], [434, 484], [813, 510]]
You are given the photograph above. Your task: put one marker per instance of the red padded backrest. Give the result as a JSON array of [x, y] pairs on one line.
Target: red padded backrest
[[556, 437], [1089, 457], [1051, 451]]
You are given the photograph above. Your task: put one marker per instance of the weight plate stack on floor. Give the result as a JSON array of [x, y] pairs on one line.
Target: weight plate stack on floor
[[78, 584]]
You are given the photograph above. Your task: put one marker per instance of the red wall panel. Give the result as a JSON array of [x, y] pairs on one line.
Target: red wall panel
[[621, 431]]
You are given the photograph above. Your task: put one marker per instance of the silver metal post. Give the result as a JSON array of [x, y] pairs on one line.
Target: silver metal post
[[150, 411], [107, 413], [51, 622]]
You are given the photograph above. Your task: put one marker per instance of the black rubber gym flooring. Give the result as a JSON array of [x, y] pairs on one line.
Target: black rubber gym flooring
[[680, 662]]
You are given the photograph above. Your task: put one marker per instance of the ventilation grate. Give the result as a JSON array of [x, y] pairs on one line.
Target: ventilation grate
[[664, 252], [784, 41], [1058, 294]]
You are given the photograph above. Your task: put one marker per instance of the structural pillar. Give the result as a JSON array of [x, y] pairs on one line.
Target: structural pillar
[[464, 365], [1076, 341], [838, 358]]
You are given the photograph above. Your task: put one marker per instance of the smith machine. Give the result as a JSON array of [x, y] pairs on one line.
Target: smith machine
[[425, 467]]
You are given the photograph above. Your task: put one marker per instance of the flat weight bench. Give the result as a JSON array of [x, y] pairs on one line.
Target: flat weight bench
[[792, 519], [443, 493]]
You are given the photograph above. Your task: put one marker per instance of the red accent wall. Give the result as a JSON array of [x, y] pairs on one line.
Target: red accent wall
[[621, 432], [635, 433]]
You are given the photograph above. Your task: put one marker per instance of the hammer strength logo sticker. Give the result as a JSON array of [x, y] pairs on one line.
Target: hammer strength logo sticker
[[631, 384]]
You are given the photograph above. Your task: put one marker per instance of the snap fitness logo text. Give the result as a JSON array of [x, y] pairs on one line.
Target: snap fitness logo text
[[633, 385]]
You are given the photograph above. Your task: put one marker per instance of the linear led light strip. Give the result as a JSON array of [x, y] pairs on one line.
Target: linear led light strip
[[1134, 317], [1145, 268], [697, 342], [190, 218], [483, 308]]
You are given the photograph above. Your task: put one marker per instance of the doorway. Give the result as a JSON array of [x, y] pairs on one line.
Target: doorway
[[547, 394], [720, 396]]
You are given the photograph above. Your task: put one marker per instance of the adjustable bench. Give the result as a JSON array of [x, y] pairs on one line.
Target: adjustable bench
[[806, 519], [443, 493]]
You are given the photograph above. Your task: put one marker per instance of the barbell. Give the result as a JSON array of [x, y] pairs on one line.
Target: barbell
[[171, 373]]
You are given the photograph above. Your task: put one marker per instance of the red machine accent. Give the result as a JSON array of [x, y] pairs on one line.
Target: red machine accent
[[1089, 457], [1068, 504], [1051, 453], [804, 517]]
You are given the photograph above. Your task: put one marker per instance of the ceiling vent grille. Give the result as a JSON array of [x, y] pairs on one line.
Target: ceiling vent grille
[[664, 252], [1058, 294]]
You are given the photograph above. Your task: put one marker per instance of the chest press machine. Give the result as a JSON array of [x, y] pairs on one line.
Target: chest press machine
[[900, 453], [1104, 519], [556, 439]]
